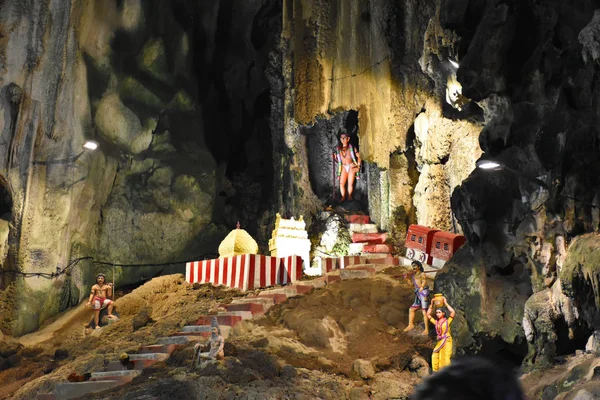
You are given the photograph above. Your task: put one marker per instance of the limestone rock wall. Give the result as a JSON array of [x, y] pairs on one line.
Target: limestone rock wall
[[386, 60], [531, 68], [177, 97]]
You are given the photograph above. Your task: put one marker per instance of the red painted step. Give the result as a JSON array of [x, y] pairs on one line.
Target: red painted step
[[358, 219], [332, 278], [377, 248], [371, 238], [303, 289], [278, 298], [254, 308], [227, 320]]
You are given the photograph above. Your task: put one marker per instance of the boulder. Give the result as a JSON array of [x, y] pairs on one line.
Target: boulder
[[359, 393], [116, 123], [363, 368], [392, 385], [419, 365]]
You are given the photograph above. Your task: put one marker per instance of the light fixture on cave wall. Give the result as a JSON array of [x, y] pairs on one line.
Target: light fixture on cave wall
[[454, 95], [88, 146]]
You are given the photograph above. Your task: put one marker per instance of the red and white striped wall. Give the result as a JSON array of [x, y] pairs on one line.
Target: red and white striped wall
[[245, 272]]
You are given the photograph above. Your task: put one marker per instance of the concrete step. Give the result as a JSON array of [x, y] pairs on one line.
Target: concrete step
[[363, 228], [287, 291], [355, 274], [195, 328], [70, 390], [377, 248], [149, 356], [357, 219], [316, 283], [198, 332], [266, 302], [242, 314], [277, 298], [371, 238], [45, 396], [123, 376], [140, 361], [303, 289], [222, 320], [255, 308], [355, 249], [192, 336], [177, 340], [158, 348]]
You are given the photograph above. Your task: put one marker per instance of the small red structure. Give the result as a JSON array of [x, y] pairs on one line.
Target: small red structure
[[444, 246], [418, 243]]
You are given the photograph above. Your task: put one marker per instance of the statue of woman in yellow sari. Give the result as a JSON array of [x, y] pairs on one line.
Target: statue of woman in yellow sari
[[442, 352]]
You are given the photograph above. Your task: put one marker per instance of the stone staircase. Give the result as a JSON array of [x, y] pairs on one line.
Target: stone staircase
[[366, 238], [238, 310]]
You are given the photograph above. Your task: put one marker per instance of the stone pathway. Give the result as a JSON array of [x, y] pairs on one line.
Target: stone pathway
[[238, 310]]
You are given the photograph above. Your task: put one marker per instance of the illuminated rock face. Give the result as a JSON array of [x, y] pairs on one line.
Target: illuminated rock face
[[390, 66], [183, 124]]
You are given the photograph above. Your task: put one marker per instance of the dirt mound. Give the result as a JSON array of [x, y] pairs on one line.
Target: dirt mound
[[303, 348], [336, 325], [174, 303]]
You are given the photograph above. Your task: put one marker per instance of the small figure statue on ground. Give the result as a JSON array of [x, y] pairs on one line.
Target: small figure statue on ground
[[215, 344], [442, 352], [349, 163], [419, 281], [99, 298]]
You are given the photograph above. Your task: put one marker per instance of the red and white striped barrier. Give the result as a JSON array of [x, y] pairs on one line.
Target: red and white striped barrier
[[348, 261], [246, 271], [328, 264]]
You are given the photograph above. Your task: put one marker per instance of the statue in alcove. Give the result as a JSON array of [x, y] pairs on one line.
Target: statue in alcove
[[348, 168]]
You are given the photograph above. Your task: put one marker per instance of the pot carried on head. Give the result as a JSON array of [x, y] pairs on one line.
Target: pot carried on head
[[438, 300]]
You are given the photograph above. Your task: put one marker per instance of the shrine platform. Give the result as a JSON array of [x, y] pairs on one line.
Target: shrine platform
[[246, 271]]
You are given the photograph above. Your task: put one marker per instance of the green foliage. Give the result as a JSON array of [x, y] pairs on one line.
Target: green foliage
[[343, 241], [315, 233]]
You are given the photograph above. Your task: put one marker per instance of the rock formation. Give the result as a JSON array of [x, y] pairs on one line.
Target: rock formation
[[212, 112], [177, 96]]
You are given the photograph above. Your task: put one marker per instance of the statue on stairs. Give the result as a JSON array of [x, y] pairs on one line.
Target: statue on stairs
[[215, 345], [348, 166]]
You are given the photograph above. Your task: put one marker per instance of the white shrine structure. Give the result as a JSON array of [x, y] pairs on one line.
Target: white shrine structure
[[291, 238]]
